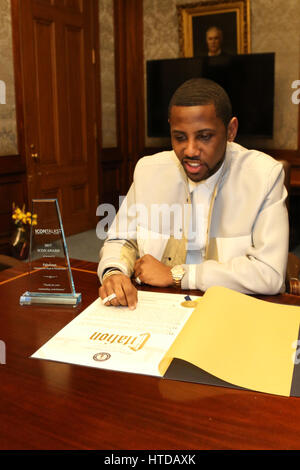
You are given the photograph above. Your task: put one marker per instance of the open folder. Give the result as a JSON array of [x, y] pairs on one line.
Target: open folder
[[228, 339]]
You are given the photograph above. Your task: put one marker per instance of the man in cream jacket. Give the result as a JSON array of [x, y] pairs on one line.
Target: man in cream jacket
[[209, 212]]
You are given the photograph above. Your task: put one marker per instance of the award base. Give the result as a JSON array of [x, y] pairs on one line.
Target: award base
[[30, 298]]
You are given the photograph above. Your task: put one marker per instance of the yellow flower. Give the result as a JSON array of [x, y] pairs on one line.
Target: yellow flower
[[21, 217]]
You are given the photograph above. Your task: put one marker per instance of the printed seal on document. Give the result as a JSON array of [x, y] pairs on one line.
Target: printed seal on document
[[101, 356]]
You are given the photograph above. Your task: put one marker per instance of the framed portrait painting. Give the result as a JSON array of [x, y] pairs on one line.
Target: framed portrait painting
[[220, 24]]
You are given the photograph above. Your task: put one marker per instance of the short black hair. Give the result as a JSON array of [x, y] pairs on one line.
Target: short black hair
[[200, 92]]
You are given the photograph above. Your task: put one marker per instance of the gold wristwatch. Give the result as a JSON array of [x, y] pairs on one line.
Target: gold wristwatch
[[177, 274]]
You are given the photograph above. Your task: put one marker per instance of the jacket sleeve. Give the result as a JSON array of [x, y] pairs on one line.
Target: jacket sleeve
[[261, 270], [120, 247]]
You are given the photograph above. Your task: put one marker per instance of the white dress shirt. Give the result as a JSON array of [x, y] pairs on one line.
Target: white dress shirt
[[201, 194]]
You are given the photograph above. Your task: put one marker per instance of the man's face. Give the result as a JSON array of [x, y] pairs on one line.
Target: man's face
[[214, 41], [199, 139]]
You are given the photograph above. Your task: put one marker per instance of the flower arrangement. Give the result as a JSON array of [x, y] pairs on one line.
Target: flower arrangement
[[21, 217], [19, 242]]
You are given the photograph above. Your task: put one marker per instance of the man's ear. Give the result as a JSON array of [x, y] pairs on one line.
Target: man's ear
[[232, 129]]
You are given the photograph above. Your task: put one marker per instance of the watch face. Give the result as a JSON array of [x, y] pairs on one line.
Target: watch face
[[178, 272]]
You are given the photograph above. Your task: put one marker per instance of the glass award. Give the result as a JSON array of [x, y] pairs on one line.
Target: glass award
[[50, 279]]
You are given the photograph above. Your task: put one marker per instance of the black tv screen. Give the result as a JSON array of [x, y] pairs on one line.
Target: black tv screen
[[248, 80]]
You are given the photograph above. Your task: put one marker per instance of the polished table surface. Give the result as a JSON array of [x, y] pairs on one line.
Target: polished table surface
[[48, 405]]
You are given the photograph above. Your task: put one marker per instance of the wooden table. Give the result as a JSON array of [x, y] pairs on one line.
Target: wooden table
[[48, 405]]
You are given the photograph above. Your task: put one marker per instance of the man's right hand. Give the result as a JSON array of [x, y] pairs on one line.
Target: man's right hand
[[121, 285]]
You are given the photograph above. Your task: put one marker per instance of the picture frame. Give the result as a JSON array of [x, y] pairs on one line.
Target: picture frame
[[231, 16]]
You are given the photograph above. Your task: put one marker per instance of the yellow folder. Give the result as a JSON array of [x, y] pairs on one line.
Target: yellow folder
[[247, 342]]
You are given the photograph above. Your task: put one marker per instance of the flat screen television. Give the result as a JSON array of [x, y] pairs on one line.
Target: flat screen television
[[248, 80]]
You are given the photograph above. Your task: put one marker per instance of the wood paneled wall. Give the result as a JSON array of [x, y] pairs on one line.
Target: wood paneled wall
[[118, 163]]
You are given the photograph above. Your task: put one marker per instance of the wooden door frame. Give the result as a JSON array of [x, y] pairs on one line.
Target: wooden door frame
[[129, 69], [118, 162], [97, 91], [17, 62], [19, 88]]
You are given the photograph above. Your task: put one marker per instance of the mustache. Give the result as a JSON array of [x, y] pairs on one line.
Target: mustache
[[195, 159]]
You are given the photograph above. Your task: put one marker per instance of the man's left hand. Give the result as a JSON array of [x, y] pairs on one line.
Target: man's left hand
[[151, 271]]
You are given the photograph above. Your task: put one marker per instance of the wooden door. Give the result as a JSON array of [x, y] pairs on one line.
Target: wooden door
[[58, 78]]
